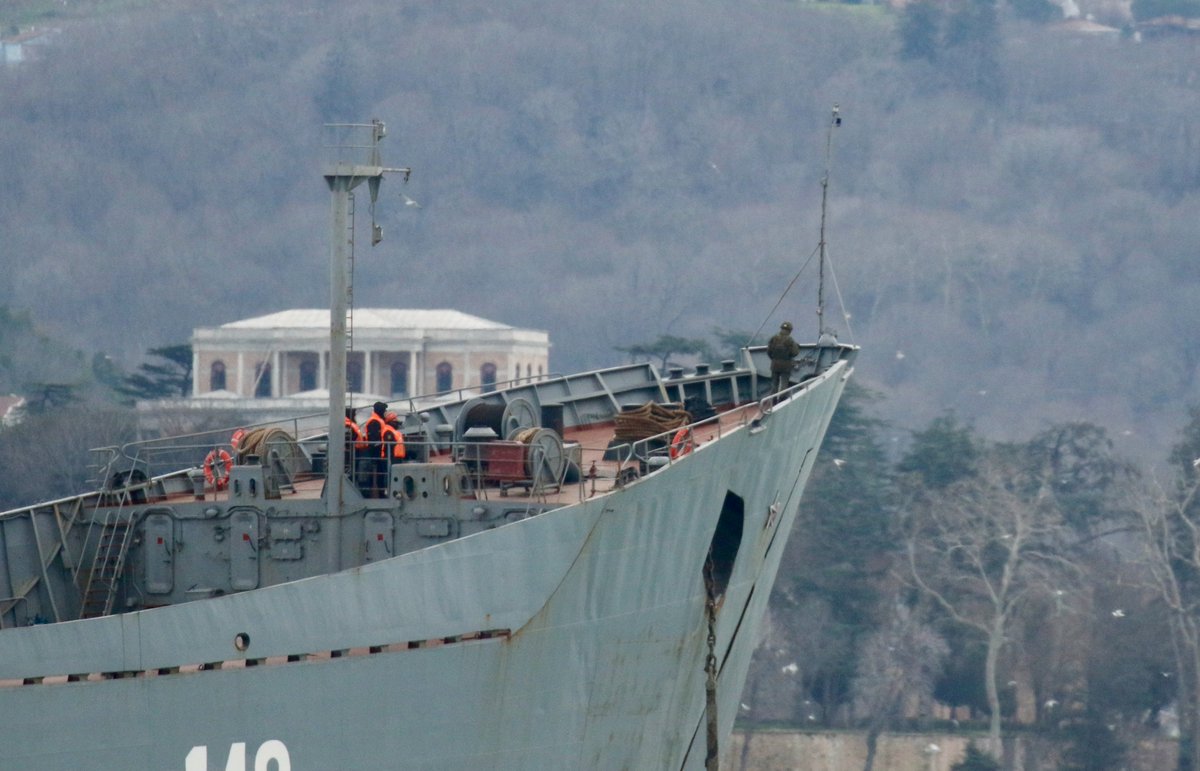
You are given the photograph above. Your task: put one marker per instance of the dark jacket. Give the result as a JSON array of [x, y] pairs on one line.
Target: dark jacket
[[782, 349], [372, 431]]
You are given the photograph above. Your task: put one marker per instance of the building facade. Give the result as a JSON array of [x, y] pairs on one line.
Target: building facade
[[393, 354]]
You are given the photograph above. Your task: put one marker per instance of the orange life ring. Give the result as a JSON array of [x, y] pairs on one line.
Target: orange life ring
[[681, 443], [237, 438], [212, 468]]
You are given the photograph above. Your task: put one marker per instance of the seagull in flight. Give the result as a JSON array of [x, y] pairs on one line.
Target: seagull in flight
[[409, 202]]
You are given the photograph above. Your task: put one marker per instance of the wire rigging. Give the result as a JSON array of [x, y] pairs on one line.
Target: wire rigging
[[834, 122], [779, 302], [841, 302]]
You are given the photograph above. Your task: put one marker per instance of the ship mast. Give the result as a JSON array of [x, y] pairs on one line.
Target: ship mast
[[834, 122], [355, 160]]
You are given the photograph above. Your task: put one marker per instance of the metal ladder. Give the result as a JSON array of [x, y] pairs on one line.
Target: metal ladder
[[116, 533]]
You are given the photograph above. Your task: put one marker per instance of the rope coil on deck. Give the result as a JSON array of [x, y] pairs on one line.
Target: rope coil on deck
[[648, 420], [257, 441]]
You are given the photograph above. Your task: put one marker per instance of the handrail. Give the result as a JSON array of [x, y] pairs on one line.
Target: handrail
[[641, 447], [140, 449], [176, 456], [131, 450]]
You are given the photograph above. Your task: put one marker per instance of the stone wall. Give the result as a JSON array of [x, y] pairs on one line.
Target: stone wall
[[846, 751]]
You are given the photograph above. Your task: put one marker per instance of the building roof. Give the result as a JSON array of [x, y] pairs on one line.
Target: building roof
[[371, 328], [369, 318]]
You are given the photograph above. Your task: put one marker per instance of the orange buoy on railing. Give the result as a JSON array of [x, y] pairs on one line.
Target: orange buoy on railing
[[214, 474], [682, 443]]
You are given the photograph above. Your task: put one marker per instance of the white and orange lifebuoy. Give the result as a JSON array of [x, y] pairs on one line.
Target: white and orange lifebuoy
[[236, 440], [213, 473], [681, 443]]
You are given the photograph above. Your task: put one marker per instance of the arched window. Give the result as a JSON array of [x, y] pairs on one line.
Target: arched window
[[399, 378], [487, 377], [354, 376], [308, 375], [216, 376], [262, 380], [445, 377]]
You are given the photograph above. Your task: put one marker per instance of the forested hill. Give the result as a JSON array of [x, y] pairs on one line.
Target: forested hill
[[1013, 207]]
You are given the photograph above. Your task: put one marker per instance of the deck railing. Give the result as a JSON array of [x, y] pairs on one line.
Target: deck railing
[[141, 464], [185, 454]]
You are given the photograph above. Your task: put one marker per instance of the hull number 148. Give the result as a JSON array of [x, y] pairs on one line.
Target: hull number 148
[[272, 750]]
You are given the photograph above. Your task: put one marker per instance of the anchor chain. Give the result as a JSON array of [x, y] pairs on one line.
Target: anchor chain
[[712, 760]]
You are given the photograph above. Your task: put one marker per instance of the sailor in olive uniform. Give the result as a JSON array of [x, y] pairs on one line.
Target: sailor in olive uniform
[[783, 350]]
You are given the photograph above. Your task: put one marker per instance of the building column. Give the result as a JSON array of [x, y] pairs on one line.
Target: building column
[[196, 372], [321, 379], [368, 373], [276, 375], [421, 375], [241, 360]]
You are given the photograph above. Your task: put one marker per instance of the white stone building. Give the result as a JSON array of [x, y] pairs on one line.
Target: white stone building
[[276, 365]]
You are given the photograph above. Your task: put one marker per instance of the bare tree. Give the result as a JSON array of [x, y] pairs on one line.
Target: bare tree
[[47, 455], [1171, 529], [801, 644], [981, 548], [897, 663]]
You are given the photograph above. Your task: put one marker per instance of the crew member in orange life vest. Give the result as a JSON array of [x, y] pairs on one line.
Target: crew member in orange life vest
[[393, 440], [375, 461], [355, 444], [354, 437]]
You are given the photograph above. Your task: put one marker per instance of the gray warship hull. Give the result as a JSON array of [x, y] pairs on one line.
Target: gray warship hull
[[576, 638]]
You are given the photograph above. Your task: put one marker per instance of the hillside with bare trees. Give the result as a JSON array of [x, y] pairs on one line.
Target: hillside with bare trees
[[1013, 221], [1012, 206]]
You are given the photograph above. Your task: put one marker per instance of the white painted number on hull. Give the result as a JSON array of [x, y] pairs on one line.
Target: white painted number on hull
[[272, 750]]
